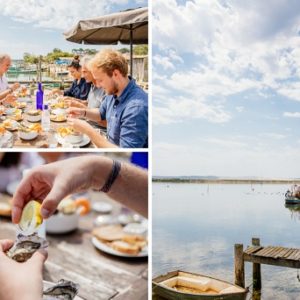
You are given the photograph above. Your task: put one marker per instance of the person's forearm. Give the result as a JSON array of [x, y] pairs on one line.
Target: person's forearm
[[4, 94], [99, 140], [93, 115], [130, 187]]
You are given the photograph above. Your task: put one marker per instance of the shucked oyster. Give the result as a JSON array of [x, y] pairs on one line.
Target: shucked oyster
[[64, 290], [25, 246]]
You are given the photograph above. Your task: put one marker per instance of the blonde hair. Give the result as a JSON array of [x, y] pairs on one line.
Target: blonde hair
[[109, 60], [4, 57]]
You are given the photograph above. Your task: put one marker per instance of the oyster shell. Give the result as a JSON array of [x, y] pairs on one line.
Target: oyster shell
[[25, 246], [64, 290]]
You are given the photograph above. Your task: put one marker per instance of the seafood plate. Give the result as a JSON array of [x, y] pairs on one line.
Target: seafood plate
[[34, 115], [70, 135]]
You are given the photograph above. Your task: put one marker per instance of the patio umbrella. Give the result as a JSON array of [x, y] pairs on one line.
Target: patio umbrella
[[126, 27]]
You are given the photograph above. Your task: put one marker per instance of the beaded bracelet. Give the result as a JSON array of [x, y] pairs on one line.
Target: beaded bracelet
[[115, 170]]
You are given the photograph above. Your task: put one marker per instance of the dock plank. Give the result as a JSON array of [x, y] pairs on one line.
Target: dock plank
[[273, 255], [253, 249]]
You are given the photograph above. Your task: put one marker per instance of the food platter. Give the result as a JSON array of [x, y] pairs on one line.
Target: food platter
[[84, 142], [11, 125], [105, 248], [58, 118]]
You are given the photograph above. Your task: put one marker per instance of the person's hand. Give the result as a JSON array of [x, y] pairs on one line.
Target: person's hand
[[74, 103], [21, 280], [15, 86], [55, 92], [10, 99], [80, 125], [51, 183], [76, 112]]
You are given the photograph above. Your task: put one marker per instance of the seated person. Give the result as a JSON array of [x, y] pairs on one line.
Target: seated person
[[5, 90], [96, 94], [79, 88], [125, 108]]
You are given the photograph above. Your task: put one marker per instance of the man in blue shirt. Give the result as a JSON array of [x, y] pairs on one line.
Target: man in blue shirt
[[125, 108]]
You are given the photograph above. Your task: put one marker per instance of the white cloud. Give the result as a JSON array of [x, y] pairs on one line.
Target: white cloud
[[223, 157], [235, 47], [240, 108], [14, 49], [272, 135], [164, 62], [57, 14], [291, 114], [179, 109]]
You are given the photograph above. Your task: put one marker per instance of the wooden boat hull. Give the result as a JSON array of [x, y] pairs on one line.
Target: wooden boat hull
[[168, 293]]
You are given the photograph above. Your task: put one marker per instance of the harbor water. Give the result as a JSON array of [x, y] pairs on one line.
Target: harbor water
[[195, 227]]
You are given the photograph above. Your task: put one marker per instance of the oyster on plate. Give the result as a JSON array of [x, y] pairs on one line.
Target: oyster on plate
[[64, 290], [25, 246]]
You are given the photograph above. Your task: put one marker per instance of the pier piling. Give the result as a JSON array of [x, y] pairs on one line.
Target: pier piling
[[239, 265]]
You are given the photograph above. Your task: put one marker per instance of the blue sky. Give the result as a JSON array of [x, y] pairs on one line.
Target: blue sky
[[226, 88], [36, 26]]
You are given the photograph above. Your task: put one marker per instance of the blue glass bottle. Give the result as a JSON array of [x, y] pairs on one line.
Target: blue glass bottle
[[39, 97]]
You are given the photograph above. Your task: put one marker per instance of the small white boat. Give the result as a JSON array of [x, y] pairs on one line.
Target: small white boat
[[181, 285], [290, 195]]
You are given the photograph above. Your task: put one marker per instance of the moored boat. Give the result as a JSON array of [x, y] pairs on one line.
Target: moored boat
[[292, 200], [181, 285], [290, 197]]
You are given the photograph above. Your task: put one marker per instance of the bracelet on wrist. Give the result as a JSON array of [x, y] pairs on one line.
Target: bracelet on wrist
[[115, 170]]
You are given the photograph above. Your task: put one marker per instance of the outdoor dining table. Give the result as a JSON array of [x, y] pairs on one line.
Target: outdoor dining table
[[100, 275], [44, 139]]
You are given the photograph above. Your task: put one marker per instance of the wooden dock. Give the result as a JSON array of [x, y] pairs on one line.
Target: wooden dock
[[258, 255], [270, 255]]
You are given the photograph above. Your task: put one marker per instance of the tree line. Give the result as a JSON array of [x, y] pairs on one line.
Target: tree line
[[57, 53]]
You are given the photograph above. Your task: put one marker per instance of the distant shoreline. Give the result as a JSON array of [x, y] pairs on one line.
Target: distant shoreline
[[227, 181]]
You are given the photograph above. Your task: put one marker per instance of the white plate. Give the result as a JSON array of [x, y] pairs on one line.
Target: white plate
[[33, 119], [104, 220], [102, 207], [103, 247], [47, 284], [61, 223], [59, 111], [28, 136], [85, 141], [136, 228], [14, 125]]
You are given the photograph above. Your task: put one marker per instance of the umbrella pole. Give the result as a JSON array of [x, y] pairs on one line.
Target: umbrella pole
[[131, 51]]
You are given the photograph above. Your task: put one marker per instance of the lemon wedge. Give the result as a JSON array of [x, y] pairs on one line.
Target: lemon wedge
[[31, 217]]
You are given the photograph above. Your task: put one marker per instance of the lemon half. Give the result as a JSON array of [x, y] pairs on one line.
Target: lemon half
[[31, 217]]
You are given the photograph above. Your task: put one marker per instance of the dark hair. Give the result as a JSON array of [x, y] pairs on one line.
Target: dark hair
[[75, 63]]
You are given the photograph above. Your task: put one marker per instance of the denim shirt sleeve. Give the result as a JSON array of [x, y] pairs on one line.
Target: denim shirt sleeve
[[103, 108], [134, 128]]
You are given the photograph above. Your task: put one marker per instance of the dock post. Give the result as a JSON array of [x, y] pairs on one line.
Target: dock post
[[239, 265], [256, 273]]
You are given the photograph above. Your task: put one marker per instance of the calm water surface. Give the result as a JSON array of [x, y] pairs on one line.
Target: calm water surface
[[195, 227]]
